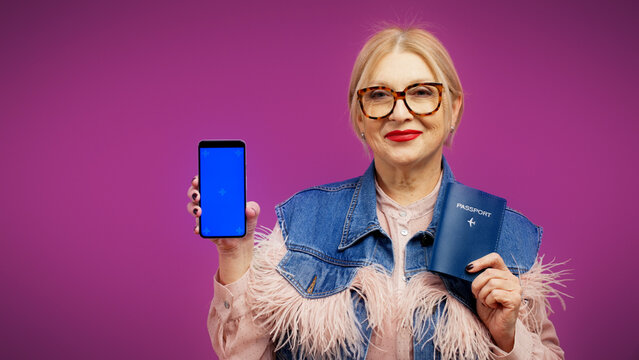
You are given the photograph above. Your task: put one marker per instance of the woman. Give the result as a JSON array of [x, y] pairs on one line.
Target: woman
[[343, 274]]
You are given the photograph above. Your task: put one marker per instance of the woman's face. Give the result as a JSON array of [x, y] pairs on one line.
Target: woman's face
[[398, 70]]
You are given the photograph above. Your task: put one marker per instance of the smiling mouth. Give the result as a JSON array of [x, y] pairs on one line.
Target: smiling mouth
[[402, 135]]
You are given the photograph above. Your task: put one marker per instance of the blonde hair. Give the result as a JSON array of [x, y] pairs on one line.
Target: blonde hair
[[419, 42]]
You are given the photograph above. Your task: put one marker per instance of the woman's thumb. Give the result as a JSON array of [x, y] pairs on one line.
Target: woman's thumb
[[252, 212]]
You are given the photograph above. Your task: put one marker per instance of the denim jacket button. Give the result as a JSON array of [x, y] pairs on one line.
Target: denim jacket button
[[404, 232]]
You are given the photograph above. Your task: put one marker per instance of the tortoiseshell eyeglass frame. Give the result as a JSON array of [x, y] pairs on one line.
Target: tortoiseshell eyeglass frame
[[399, 95]]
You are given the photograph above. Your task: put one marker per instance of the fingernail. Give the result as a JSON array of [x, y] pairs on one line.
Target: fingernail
[[195, 211], [469, 267], [194, 196]]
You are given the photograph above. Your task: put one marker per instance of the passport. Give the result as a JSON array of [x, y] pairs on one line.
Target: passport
[[469, 228]]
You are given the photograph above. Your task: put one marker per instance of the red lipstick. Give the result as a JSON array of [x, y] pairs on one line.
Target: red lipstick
[[403, 135]]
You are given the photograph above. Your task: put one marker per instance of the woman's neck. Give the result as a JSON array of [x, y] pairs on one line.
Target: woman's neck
[[407, 184]]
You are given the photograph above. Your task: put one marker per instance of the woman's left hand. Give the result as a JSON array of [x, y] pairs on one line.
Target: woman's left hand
[[498, 295]]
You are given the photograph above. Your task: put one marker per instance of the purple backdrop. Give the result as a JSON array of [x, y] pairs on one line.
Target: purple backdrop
[[102, 105]]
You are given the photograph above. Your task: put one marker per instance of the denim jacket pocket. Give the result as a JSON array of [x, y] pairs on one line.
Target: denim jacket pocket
[[315, 278]]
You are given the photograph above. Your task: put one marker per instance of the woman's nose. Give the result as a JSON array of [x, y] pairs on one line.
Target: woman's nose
[[400, 112]]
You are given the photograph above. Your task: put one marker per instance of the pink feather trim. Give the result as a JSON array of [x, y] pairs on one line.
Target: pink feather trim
[[327, 328]]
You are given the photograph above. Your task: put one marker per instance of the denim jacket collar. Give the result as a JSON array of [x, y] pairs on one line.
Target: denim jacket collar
[[362, 214]]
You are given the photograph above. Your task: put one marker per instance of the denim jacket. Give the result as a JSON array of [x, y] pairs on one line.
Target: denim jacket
[[332, 230]]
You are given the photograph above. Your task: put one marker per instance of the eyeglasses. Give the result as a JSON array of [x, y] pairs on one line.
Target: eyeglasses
[[420, 99]]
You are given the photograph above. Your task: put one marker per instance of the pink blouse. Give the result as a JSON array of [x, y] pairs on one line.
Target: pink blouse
[[234, 335]]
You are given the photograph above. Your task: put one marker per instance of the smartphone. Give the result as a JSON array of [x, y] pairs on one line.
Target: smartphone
[[222, 182]]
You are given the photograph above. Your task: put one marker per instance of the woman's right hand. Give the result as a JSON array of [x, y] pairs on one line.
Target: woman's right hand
[[235, 254]]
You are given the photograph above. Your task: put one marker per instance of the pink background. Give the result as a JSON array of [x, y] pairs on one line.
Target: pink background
[[102, 105]]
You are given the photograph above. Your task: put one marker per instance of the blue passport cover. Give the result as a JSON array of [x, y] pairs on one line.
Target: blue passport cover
[[469, 228]]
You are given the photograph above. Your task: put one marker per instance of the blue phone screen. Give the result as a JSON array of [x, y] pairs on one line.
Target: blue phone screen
[[222, 193]]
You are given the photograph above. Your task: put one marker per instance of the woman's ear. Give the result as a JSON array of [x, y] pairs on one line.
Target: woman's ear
[[360, 126], [456, 107]]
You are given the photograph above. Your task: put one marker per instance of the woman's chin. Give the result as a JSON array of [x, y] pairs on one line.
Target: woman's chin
[[403, 160], [411, 157]]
